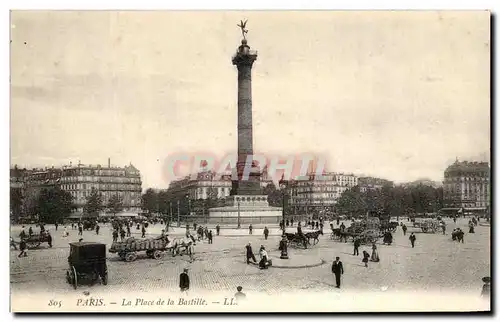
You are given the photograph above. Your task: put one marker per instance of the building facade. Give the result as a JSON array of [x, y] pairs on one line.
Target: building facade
[[80, 180], [318, 195], [467, 185], [205, 185]]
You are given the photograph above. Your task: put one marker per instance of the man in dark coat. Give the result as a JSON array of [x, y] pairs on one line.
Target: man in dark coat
[[250, 229], [404, 229], [122, 234], [184, 281], [210, 237], [338, 270], [143, 232], [49, 239], [22, 247], [217, 228], [266, 232], [97, 227], [357, 243], [250, 254]]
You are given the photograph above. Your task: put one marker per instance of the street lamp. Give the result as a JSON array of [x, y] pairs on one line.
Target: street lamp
[[283, 242], [283, 185], [239, 224], [178, 213]]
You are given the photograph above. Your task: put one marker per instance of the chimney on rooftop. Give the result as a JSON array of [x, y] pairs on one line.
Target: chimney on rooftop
[[109, 162]]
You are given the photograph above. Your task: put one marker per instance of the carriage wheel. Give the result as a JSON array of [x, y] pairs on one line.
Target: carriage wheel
[[122, 255], [130, 257], [157, 254], [104, 278], [68, 277], [75, 278], [33, 244], [149, 253]]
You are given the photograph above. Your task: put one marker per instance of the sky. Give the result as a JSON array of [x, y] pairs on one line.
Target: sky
[[396, 95]]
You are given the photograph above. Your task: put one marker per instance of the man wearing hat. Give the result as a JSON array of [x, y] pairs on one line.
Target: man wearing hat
[[249, 253], [184, 281]]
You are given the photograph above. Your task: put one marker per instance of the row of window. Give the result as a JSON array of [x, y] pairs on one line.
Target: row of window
[[85, 186], [101, 179]]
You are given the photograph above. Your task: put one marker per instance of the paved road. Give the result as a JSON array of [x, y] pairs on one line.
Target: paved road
[[436, 263]]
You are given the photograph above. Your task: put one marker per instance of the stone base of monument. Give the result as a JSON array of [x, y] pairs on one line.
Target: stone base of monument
[[249, 209]]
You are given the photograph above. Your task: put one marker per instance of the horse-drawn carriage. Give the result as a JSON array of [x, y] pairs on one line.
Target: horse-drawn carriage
[[89, 224], [297, 240], [87, 261]]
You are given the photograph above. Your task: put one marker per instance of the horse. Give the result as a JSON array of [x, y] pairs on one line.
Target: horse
[[314, 236]]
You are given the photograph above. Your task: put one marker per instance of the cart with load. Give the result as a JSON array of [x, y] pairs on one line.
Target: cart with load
[[87, 261], [154, 248], [367, 231], [35, 240]]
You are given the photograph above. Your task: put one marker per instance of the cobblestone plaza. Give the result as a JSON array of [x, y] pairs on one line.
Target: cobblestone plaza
[[435, 264]]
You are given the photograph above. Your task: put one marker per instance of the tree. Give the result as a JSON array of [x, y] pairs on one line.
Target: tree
[[16, 203], [54, 205], [150, 201], [115, 204], [352, 203], [163, 202], [94, 204]]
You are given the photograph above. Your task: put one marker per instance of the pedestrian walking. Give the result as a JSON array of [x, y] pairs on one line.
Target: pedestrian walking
[[291, 222], [250, 229], [115, 236], [321, 227], [122, 234], [239, 295], [266, 233], [97, 227], [412, 238], [184, 281], [143, 232], [366, 256], [210, 237], [22, 247], [338, 270], [250, 254], [357, 243], [404, 229], [217, 229], [80, 230], [128, 231], [57, 225]]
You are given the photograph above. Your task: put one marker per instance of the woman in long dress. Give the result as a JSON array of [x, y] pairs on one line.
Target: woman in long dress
[[375, 257]]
